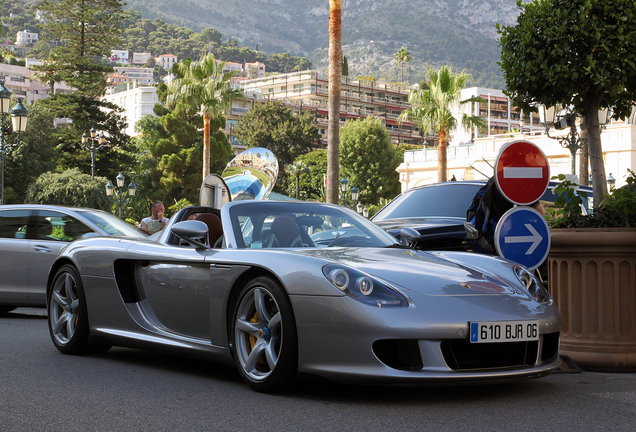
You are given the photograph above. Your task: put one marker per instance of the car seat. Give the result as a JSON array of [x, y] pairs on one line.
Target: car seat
[[215, 227]]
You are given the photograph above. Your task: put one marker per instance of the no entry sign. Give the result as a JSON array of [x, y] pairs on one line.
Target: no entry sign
[[522, 172]]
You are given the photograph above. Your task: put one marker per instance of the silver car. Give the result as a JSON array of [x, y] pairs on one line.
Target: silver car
[[31, 237], [282, 288]]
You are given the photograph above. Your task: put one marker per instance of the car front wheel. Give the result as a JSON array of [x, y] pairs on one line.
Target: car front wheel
[[67, 313], [265, 346]]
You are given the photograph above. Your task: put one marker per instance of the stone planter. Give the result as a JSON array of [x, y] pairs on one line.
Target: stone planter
[[592, 278]]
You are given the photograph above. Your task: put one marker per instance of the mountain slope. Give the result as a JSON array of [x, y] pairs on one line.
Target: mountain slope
[[436, 32]]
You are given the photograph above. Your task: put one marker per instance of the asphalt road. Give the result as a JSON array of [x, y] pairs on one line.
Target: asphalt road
[[130, 390]]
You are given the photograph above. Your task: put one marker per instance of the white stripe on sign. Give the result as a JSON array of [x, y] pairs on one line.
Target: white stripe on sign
[[523, 172]]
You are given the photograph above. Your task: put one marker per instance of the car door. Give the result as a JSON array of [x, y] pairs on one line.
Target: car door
[[14, 256], [173, 284], [49, 231]]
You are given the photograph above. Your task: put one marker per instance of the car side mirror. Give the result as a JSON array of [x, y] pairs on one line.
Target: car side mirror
[[409, 236], [190, 230]]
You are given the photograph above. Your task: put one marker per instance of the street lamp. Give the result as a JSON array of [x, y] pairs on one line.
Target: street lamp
[[120, 193], [567, 118], [101, 139], [611, 181], [19, 115], [344, 186]]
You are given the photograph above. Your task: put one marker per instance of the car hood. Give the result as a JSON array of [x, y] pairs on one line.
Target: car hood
[[431, 273]]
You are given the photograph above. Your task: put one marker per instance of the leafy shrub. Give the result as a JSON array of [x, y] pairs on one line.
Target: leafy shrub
[[69, 188], [618, 209]]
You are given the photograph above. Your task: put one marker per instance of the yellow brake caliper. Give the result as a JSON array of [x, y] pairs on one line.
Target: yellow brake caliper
[[253, 339]]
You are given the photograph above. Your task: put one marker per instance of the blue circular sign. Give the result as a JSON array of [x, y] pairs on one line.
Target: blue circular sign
[[522, 235]]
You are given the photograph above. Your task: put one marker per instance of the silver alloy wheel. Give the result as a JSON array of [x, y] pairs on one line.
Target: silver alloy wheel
[[64, 308], [258, 333]]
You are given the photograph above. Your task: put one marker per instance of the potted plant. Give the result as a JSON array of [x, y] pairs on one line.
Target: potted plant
[[592, 276]]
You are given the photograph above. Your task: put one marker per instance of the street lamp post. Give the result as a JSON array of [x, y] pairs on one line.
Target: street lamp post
[[19, 115], [567, 118], [120, 194], [101, 139], [344, 187], [611, 181]]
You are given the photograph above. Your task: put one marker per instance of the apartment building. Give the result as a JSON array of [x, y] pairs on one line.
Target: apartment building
[[308, 91], [21, 81], [137, 101], [143, 76], [499, 113], [140, 59], [120, 56], [254, 70], [166, 61], [25, 37]]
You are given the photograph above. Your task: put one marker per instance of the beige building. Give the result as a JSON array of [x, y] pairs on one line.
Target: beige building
[[498, 112], [476, 160], [22, 82], [142, 76], [140, 59], [308, 91]]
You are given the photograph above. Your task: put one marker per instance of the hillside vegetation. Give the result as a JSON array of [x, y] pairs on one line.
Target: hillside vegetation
[[436, 32]]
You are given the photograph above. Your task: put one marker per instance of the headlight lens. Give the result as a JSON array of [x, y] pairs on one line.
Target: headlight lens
[[363, 287], [533, 285]]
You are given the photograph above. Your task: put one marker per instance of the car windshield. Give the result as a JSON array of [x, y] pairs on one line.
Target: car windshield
[[260, 225], [112, 225], [445, 200]]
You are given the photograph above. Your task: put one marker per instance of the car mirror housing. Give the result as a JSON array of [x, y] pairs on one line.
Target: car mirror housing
[[190, 230], [409, 236]]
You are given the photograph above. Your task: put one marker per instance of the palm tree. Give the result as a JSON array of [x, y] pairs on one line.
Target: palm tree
[[205, 89], [432, 109], [402, 56], [333, 101], [296, 169]]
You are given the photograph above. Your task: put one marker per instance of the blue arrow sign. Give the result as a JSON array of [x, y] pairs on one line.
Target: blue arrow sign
[[523, 236]]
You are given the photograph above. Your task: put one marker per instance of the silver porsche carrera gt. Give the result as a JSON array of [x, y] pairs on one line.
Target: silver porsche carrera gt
[[287, 288]]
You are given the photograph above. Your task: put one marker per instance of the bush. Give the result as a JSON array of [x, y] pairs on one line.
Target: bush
[[70, 188], [618, 209]]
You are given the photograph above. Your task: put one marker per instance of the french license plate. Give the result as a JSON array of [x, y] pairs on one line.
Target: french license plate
[[504, 331]]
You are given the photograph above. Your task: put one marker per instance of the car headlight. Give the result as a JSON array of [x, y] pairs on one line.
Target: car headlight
[[533, 285], [363, 287]]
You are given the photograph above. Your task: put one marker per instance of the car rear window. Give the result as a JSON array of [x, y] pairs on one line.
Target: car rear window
[[449, 199]]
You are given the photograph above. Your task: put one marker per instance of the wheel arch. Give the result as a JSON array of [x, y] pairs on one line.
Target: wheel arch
[[54, 268]]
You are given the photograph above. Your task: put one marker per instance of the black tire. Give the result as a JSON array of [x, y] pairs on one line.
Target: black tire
[[264, 338], [5, 309], [68, 315]]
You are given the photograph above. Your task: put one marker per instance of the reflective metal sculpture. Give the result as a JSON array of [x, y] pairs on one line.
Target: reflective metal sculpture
[[252, 174]]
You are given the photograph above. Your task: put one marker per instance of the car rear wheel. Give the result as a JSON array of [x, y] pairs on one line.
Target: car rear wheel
[[67, 314], [265, 346]]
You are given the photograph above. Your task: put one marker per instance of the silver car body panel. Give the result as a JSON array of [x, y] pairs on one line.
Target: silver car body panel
[[151, 294]]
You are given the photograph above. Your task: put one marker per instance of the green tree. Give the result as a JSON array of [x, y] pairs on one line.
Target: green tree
[[402, 56], [368, 159], [88, 29], [296, 169], [277, 128], [311, 183], [577, 53], [345, 66], [35, 155], [69, 188], [433, 109], [203, 88]]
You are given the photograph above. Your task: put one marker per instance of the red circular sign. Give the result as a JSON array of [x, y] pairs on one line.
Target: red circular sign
[[522, 172]]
